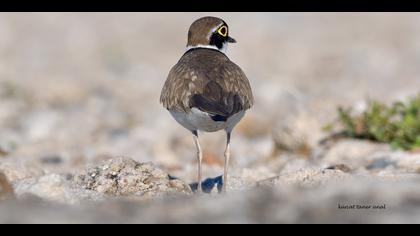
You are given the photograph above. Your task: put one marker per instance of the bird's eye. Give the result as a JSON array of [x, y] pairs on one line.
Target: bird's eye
[[223, 31]]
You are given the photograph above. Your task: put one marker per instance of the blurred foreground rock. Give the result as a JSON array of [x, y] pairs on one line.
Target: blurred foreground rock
[[379, 201]]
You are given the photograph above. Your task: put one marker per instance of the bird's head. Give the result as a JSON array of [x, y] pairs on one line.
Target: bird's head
[[209, 32]]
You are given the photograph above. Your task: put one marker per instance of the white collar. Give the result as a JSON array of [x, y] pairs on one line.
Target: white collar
[[223, 50]]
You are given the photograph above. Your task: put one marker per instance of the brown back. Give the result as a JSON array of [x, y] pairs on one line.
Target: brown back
[[208, 80]]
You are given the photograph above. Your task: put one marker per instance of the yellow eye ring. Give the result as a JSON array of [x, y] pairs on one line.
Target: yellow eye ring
[[223, 31]]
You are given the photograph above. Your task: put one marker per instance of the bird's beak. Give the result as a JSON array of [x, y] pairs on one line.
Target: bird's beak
[[231, 40]]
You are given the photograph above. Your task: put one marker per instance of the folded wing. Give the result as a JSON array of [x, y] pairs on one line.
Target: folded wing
[[221, 90]]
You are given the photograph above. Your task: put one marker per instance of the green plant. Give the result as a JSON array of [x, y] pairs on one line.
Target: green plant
[[397, 124]]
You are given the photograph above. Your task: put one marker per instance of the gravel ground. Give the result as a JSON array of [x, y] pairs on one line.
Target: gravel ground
[[83, 138]]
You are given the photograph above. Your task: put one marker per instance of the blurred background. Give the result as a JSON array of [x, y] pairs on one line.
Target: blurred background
[[80, 88]]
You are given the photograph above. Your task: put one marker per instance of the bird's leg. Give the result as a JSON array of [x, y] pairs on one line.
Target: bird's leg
[[227, 157], [199, 160]]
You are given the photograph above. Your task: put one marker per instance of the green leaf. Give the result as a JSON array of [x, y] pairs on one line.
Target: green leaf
[[398, 124]]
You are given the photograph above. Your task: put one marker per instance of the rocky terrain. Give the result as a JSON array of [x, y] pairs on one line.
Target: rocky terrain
[[83, 138]]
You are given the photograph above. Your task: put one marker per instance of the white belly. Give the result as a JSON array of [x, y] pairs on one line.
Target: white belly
[[198, 120]]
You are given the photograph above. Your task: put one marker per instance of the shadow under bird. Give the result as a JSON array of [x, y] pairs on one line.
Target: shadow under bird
[[205, 91]]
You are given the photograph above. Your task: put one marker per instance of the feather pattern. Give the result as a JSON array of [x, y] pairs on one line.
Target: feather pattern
[[207, 80]]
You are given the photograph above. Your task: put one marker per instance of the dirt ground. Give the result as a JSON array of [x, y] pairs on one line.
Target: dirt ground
[[79, 92]]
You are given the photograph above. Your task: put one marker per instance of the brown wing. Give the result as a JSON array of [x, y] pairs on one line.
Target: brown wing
[[181, 84], [235, 82], [226, 93], [218, 87]]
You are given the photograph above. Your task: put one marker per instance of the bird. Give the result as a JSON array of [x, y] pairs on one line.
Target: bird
[[205, 91]]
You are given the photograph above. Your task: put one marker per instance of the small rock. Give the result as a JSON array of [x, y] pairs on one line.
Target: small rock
[[41, 124], [53, 160], [268, 182], [126, 177], [380, 163], [341, 167], [6, 190], [355, 153], [286, 140], [406, 161]]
